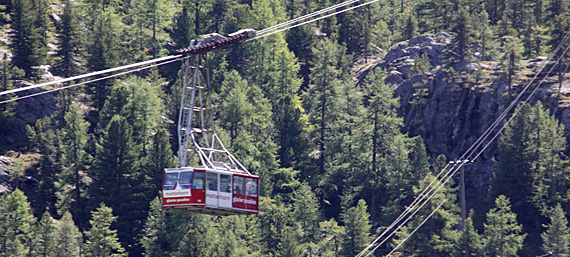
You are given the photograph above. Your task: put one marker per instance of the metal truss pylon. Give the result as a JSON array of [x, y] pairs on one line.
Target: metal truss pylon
[[196, 133]]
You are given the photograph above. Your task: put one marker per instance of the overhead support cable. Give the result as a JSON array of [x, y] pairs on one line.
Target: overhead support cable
[[310, 21], [88, 75], [307, 16], [89, 81]]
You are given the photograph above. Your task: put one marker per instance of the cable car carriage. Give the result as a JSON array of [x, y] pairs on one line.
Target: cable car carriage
[[209, 191]]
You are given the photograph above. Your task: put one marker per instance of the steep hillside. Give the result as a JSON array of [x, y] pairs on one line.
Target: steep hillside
[[451, 106]]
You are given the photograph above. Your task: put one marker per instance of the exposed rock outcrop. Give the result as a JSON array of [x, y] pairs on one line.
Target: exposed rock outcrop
[[451, 106]]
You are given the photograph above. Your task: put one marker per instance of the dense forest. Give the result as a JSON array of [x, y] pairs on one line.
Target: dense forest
[[336, 165]]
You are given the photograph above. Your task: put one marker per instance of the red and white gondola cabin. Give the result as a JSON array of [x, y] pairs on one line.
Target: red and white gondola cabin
[[209, 191]]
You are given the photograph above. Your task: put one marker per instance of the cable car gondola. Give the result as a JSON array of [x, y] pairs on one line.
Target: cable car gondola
[[209, 191]]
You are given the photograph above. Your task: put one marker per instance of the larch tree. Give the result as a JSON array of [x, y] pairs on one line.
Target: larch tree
[[68, 238], [503, 234], [101, 239], [118, 180], [70, 53], [550, 174], [45, 238], [320, 101], [154, 232], [469, 243], [16, 224], [556, 238], [72, 181], [28, 35], [103, 48], [307, 213], [438, 234], [356, 229]]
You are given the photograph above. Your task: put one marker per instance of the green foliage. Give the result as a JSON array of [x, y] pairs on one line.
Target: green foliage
[[29, 39], [70, 55], [463, 34], [7, 110], [72, 182], [149, 19], [154, 233], [556, 238], [101, 239], [16, 224], [438, 235], [503, 235], [45, 237], [356, 229], [469, 243], [68, 238]]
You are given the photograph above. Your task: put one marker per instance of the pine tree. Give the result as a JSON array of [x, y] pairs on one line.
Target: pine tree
[[75, 159], [503, 235], [154, 233], [46, 136], [550, 181], [16, 224], [556, 238], [150, 18], [69, 44], [117, 179], [7, 110], [356, 229], [438, 234], [68, 239], [159, 157], [469, 243], [306, 212], [101, 239], [320, 99], [28, 42], [45, 238], [463, 34], [103, 49]]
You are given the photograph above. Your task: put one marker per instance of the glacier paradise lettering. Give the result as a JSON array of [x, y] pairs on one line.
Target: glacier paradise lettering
[[177, 200], [246, 201]]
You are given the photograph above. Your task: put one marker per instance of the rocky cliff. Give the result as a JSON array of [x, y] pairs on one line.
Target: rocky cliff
[[451, 106]]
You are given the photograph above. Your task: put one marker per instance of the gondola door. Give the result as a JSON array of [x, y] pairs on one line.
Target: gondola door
[[212, 195]]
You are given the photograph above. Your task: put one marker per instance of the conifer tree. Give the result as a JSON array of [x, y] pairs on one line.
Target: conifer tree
[[46, 136], [556, 238], [150, 18], [550, 181], [103, 48], [101, 239], [154, 233], [30, 23], [503, 235], [463, 34], [117, 179], [356, 229], [45, 238], [306, 212], [159, 157], [7, 110], [469, 243], [68, 239], [321, 98], [16, 224], [69, 44], [72, 181], [438, 234]]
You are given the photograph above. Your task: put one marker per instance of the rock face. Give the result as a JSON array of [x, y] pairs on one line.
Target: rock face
[[28, 111], [451, 106]]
